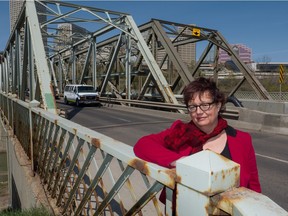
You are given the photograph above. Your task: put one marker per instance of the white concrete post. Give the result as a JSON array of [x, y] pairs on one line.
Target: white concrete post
[[201, 176]]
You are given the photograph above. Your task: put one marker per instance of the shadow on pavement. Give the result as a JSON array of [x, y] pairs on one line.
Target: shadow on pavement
[[70, 113]]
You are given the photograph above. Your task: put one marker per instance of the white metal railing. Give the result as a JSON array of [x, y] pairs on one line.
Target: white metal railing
[[88, 173]]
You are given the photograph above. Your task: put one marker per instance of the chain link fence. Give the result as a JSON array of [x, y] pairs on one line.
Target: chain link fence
[[282, 96]]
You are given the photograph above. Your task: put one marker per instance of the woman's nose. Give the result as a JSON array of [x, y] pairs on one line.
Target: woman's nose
[[198, 110]]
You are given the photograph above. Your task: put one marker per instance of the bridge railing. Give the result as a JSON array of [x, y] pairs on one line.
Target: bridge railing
[[88, 173]]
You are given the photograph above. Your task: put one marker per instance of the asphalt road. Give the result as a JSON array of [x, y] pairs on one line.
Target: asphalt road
[[125, 126]]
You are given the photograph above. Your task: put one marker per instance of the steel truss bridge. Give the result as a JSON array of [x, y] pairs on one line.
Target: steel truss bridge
[[85, 172], [52, 45]]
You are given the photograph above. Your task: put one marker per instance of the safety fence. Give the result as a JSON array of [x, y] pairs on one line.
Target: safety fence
[[88, 173], [278, 96]]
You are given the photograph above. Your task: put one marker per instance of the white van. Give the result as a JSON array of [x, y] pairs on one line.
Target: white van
[[80, 94]]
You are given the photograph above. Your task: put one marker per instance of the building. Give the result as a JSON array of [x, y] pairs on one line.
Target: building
[[71, 33], [15, 8], [271, 67], [244, 52], [187, 52], [68, 34]]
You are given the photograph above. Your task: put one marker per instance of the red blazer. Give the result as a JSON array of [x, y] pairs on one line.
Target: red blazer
[[151, 148]]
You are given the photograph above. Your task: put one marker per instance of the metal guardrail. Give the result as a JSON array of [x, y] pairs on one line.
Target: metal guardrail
[[113, 100], [88, 173]]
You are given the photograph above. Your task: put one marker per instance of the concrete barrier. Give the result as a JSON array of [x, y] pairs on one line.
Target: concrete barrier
[[277, 107], [261, 121]]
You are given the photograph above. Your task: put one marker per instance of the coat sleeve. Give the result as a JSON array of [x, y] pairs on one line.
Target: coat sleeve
[[242, 152], [254, 183], [151, 148]]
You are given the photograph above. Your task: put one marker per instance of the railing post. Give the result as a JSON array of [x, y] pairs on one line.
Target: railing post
[[32, 104], [201, 176]]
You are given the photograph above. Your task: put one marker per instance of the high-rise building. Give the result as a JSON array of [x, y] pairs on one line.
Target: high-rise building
[[68, 33], [244, 52], [187, 51], [15, 9]]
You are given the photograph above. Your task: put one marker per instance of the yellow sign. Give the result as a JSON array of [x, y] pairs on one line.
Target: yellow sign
[[281, 74], [196, 32]]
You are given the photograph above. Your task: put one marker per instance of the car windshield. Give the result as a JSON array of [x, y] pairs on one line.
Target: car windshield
[[86, 89]]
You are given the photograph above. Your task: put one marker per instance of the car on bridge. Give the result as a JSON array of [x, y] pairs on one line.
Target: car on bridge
[[80, 94]]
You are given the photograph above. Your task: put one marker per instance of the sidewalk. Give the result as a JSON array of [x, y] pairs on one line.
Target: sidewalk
[[4, 192], [4, 196]]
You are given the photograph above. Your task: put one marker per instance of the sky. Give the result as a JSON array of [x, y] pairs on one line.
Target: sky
[[260, 25]]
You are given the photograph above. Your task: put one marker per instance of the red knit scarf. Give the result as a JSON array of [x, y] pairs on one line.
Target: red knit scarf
[[189, 134]]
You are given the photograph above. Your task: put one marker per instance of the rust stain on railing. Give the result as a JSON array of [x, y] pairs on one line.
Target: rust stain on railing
[[140, 165], [96, 142]]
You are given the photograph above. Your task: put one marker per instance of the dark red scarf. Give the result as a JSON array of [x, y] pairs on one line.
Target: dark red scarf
[[189, 134]]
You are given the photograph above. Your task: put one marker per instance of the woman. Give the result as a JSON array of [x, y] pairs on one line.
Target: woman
[[206, 130]]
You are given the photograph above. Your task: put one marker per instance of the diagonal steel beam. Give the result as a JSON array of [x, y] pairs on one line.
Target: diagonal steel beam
[[86, 64], [152, 64], [252, 80], [40, 58], [112, 61], [172, 53]]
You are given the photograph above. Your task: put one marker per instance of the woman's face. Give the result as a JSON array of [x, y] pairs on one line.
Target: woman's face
[[205, 119]]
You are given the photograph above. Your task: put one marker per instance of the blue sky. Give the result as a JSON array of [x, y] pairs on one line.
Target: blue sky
[[260, 25]]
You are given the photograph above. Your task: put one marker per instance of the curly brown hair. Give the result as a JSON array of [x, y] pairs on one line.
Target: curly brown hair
[[201, 85]]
